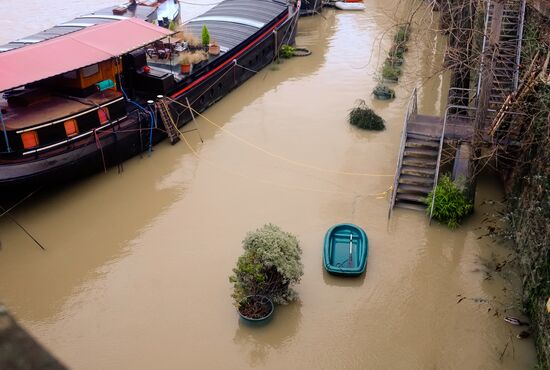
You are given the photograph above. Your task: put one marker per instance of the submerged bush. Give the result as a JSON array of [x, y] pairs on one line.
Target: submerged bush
[[365, 118], [450, 204], [383, 92], [403, 34], [287, 51], [390, 72], [270, 265]]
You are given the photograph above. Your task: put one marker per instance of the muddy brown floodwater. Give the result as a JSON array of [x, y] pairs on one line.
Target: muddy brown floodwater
[[135, 275]]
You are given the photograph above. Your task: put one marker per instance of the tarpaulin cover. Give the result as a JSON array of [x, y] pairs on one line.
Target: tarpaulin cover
[[75, 50]]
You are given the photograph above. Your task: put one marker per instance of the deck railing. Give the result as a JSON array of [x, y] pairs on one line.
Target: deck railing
[[412, 108]]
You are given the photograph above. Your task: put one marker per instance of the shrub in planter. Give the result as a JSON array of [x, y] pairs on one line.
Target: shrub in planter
[[403, 34], [270, 265], [396, 62], [383, 92], [397, 51], [287, 51], [390, 72], [365, 118], [450, 203]]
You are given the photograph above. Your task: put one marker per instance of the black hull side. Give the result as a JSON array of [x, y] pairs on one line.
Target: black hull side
[[132, 135], [311, 7]]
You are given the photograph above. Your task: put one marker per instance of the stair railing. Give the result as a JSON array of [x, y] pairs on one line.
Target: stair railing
[[412, 108], [440, 151], [521, 20]]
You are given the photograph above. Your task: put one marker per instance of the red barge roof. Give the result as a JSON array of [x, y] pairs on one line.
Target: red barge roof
[[62, 54]]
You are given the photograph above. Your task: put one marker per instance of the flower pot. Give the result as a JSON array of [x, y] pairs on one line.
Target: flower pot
[[256, 309], [186, 68], [214, 49]]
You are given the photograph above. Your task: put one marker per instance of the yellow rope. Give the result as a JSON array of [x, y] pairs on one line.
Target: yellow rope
[[380, 195], [282, 158], [278, 156]]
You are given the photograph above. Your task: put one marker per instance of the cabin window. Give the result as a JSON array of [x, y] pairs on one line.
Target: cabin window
[[70, 75], [71, 128], [29, 139], [103, 114], [90, 70]]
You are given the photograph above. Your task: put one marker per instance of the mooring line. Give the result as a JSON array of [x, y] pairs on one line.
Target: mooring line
[[379, 195], [278, 156]]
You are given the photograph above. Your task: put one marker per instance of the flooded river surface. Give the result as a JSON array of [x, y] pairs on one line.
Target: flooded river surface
[[135, 275]]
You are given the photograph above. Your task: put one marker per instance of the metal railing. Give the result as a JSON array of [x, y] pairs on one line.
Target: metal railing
[[520, 41], [412, 108], [441, 141]]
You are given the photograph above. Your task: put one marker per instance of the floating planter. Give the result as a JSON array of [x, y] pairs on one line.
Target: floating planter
[[364, 117], [391, 73], [256, 309], [382, 92], [265, 273]]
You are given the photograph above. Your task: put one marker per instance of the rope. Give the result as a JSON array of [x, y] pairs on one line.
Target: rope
[[278, 156], [379, 195]]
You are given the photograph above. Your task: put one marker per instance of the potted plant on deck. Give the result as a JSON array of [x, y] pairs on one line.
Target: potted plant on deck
[[205, 36], [214, 48], [265, 272]]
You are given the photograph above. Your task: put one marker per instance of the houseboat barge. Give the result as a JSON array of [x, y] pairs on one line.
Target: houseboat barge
[[85, 95]]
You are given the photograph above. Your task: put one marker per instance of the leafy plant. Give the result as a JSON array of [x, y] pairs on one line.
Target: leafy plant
[[205, 36], [450, 205], [287, 51], [397, 51], [364, 117], [403, 34], [390, 72], [270, 265], [383, 92]]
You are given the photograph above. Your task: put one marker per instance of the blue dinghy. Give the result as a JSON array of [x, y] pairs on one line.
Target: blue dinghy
[[346, 249]]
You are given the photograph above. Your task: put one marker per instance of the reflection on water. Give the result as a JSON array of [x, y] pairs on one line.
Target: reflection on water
[[259, 341], [136, 268]]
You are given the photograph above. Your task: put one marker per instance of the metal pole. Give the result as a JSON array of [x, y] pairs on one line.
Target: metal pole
[[5, 132]]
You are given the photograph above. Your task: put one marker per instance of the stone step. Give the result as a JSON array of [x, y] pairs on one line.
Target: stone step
[[415, 180], [420, 152], [414, 198], [416, 143], [406, 188], [413, 206], [419, 162], [418, 171], [421, 137]]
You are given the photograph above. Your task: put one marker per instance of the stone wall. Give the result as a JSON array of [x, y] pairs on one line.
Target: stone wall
[[19, 351]]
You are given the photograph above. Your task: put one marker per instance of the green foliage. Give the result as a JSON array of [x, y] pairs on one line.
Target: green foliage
[[270, 265], [403, 34], [383, 92], [365, 118], [450, 204], [390, 72], [205, 36], [287, 51]]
